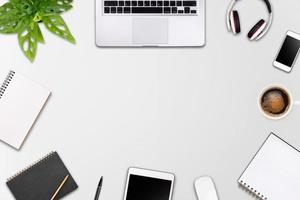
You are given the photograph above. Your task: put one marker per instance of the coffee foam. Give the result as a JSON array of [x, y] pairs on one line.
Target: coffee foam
[[275, 102]]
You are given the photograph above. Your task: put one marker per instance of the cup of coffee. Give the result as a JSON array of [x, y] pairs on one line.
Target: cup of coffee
[[275, 102]]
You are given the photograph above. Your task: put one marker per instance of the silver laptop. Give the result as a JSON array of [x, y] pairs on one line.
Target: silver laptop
[[150, 23]]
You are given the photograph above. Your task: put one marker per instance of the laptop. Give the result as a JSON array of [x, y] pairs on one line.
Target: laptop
[[135, 23]]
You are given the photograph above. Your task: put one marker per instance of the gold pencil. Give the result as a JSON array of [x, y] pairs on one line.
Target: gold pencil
[[59, 188]]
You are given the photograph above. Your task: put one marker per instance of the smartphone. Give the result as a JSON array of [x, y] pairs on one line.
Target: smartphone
[[288, 52]]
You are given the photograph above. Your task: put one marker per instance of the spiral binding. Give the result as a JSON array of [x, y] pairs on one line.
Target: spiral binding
[[31, 166], [252, 190], [6, 82]]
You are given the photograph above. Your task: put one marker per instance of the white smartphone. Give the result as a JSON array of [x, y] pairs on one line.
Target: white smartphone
[[288, 52]]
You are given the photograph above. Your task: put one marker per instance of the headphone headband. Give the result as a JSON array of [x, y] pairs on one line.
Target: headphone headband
[[269, 6], [267, 2]]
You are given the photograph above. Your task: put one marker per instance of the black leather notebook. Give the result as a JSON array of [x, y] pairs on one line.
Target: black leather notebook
[[41, 180]]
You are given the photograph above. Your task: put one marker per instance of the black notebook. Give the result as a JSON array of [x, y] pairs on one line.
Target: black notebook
[[40, 180]]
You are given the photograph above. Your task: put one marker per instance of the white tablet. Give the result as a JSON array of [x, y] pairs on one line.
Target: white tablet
[[148, 185]]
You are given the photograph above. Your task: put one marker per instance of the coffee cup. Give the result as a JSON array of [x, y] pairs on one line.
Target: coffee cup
[[276, 102]]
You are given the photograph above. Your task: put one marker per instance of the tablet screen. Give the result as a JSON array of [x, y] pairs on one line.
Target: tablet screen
[[146, 188]]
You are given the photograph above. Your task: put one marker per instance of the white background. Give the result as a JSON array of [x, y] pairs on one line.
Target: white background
[[190, 111]]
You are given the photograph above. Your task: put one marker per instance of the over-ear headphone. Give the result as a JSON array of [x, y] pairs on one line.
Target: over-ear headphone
[[258, 30]]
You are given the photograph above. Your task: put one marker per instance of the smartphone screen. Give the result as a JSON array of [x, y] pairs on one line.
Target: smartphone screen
[[288, 51]]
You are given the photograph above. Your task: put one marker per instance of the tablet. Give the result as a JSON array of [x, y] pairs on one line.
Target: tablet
[[148, 185]]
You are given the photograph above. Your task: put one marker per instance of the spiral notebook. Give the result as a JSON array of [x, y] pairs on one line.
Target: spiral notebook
[[21, 101], [41, 180], [274, 172]]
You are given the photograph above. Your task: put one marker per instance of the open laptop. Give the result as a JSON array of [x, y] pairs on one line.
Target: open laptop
[[150, 23]]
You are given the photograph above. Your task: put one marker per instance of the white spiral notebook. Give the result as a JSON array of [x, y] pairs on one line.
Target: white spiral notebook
[[21, 101], [274, 172]]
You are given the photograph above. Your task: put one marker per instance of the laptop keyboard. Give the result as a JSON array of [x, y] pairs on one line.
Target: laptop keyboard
[[185, 7]]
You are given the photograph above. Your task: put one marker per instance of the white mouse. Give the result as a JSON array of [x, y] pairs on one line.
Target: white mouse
[[205, 188]]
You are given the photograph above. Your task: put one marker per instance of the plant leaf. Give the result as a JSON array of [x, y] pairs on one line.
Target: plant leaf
[[57, 25], [55, 6], [5, 8], [40, 36], [15, 2], [10, 19], [28, 39], [24, 6]]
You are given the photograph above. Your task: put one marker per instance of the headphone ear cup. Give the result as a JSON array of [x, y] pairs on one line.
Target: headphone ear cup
[[257, 29], [235, 22]]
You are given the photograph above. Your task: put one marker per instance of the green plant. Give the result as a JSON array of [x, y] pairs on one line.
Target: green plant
[[25, 16]]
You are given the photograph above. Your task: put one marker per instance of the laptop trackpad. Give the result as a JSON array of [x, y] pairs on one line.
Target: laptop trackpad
[[150, 31]]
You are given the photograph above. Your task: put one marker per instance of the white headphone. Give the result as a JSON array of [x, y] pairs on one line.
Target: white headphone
[[259, 29]]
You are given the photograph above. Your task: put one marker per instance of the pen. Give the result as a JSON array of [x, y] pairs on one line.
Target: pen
[[99, 188], [59, 188]]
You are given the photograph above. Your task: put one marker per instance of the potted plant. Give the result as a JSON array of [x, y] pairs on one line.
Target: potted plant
[[24, 18]]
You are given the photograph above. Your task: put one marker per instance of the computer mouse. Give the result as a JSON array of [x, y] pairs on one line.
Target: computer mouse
[[205, 188]]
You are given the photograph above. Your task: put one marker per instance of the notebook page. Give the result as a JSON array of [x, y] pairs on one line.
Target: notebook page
[[19, 106], [274, 173]]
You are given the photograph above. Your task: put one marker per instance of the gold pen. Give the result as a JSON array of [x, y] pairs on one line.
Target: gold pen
[[59, 188]]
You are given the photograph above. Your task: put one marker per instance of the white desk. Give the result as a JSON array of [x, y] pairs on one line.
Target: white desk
[[190, 111]]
